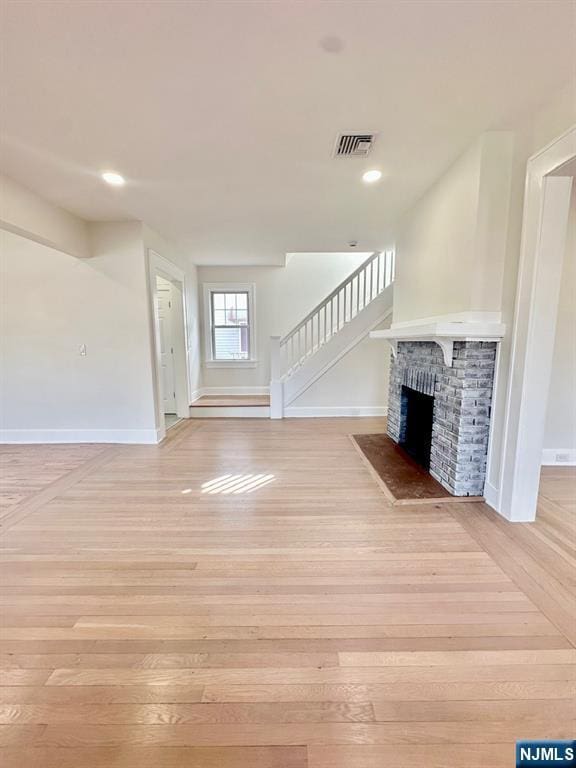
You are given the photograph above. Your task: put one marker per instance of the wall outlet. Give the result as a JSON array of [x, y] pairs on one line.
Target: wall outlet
[[562, 458], [82, 350]]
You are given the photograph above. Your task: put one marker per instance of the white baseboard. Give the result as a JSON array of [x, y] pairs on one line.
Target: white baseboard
[[230, 412], [492, 496], [196, 394], [558, 457], [315, 412], [228, 391], [132, 436]]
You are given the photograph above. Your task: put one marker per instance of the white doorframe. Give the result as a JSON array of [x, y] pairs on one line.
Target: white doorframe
[[167, 296], [545, 220], [159, 266]]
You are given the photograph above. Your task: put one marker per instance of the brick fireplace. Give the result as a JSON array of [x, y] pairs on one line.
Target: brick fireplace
[[446, 407]]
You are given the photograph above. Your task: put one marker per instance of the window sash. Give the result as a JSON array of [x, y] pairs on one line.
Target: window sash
[[242, 355]]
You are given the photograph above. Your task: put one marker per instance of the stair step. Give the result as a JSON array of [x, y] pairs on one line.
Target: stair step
[[238, 401], [231, 407], [231, 412]]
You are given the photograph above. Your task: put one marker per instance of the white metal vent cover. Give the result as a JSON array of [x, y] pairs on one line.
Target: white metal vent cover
[[354, 144]]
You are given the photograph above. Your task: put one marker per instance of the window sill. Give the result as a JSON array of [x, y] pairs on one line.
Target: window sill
[[231, 363]]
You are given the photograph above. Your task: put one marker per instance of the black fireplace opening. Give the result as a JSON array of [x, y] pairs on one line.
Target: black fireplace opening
[[417, 413]]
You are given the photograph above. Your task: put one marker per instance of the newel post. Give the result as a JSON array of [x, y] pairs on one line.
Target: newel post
[[276, 384]]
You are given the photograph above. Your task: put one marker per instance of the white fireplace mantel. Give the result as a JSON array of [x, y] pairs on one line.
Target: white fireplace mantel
[[443, 333]]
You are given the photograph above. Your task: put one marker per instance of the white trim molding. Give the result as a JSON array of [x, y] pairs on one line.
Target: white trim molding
[[196, 395], [129, 436], [491, 495], [230, 363], [335, 411], [159, 265], [559, 457], [545, 221]]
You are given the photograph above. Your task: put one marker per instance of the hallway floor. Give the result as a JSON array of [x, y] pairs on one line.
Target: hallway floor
[[170, 419], [243, 596]]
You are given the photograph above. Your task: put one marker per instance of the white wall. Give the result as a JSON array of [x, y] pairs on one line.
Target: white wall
[[450, 246], [560, 434], [52, 303], [283, 297], [26, 213], [356, 385], [435, 242]]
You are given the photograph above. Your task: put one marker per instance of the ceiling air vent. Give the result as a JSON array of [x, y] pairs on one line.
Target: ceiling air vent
[[354, 144]]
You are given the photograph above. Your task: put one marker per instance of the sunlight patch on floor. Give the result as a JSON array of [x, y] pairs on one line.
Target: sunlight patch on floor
[[234, 484]]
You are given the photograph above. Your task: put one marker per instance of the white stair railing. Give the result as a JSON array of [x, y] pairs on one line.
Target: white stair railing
[[340, 307]]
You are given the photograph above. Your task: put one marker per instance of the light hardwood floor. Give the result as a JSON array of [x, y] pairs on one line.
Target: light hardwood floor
[[26, 471], [243, 596]]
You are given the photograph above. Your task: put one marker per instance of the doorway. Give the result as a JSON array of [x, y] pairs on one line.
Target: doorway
[[546, 216], [167, 321], [168, 290]]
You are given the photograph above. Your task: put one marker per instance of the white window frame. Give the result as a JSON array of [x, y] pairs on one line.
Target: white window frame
[[208, 290]]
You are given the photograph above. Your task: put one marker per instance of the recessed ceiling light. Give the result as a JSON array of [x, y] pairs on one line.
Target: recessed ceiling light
[[371, 176], [110, 177]]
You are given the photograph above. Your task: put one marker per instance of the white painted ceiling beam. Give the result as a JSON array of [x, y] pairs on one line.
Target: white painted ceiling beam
[[27, 214]]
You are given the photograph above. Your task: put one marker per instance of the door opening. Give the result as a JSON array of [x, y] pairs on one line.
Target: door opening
[[167, 294], [549, 182], [166, 301]]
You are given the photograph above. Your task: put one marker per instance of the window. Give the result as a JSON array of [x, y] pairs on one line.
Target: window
[[229, 319], [229, 315]]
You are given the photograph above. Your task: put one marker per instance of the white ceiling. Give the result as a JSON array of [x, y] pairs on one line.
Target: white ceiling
[[223, 115]]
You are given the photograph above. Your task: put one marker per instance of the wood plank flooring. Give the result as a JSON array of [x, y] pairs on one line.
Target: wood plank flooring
[[540, 556], [26, 470], [244, 596]]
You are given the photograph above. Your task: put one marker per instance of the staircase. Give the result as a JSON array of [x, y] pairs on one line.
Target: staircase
[[360, 303]]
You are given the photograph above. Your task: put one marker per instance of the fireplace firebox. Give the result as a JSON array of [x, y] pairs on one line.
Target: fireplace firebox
[[417, 416]]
